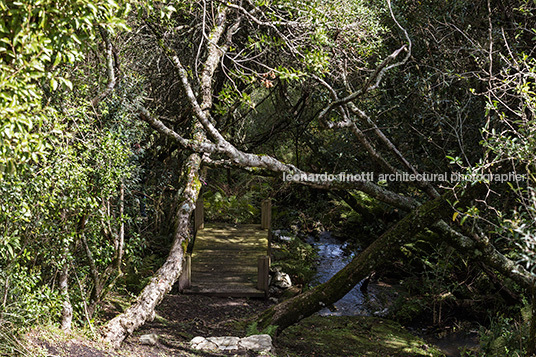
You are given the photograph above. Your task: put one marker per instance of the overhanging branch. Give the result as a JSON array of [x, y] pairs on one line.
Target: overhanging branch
[[242, 159]]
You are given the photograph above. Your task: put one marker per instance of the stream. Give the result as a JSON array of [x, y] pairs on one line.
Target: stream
[[333, 255]]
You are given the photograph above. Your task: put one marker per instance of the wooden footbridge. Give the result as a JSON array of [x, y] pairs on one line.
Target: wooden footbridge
[[228, 259]]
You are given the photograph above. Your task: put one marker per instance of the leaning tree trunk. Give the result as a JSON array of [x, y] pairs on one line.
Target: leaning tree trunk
[[143, 309], [379, 252], [432, 214]]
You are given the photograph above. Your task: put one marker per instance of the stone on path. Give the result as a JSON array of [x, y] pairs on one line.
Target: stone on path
[[225, 343], [201, 343], [280, 279], [257, 343], [150, 339]]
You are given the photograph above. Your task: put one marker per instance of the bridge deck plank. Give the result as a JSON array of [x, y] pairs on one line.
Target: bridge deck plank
[[224, 260]]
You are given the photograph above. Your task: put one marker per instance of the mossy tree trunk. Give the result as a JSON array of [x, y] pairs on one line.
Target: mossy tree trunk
[[67, 308], [379, 252], [161, 283], [431, 214]]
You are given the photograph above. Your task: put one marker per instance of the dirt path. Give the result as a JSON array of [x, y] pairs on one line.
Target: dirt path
[[182, 317], [187, 316]]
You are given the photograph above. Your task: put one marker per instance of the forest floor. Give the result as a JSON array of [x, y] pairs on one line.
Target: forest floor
[[182, 317]]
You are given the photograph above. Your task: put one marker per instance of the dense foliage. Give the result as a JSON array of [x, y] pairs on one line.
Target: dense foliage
[[89, 191]]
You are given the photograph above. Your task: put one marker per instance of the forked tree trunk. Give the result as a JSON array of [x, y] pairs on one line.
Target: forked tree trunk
[[143, 309], [379, 252], [121, 326]]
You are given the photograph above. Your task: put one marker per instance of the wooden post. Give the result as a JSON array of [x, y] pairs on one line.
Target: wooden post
[[266, 214], [263, 273], [199, 214], [269, 248], [185, 280]]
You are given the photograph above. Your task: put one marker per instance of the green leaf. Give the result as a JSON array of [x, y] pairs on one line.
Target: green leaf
[[53, 83], [57, 60], [67, 83]]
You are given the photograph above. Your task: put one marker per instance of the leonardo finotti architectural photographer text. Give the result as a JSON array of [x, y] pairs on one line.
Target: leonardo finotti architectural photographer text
[[402, 177]]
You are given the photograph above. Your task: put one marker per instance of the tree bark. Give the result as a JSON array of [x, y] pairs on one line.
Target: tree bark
[[143, 309], [379, 252], [67, 308], [110, 69], [121, 236]]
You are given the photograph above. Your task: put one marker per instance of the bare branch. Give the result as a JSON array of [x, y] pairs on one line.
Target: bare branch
[[348, 123], [110, 70], [214, 55], [389, 144], [358, 133], [408, 54], [376, 77], [163, 129], [374, 81], [271, 24], [489, 255]]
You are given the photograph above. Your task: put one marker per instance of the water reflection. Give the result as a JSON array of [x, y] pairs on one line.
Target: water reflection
[[333, 255]]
